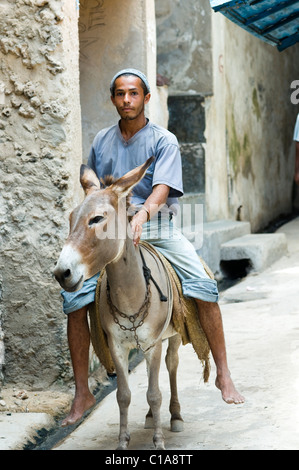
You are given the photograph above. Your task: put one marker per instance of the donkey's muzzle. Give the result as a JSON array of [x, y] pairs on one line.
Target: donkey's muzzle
[[66, 279]]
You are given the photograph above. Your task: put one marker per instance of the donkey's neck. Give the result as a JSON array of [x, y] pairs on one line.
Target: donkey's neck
[[126, 279]]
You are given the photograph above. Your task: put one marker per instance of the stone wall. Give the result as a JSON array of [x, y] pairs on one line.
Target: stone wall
[[184, 46], [187, 122], [40, 139]]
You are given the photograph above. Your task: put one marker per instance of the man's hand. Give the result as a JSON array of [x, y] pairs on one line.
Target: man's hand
[[136, 224], [154, 202]]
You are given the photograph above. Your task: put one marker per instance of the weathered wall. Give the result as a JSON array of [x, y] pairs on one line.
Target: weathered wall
[[217, 200], [115, 35], [252, 116], [40, 138], [184, 59], [260, 124], [184, 45], [247, 147], [41, 152]]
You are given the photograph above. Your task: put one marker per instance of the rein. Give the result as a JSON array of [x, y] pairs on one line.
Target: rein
[[144, 309]]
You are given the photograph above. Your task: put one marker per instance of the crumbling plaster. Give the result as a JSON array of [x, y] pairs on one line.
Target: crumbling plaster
[[41, 152], [40, 138]]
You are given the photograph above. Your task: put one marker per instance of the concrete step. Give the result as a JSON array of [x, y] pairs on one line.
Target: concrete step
[[231, 250], [215, 234], [252, 252], [190, 201]]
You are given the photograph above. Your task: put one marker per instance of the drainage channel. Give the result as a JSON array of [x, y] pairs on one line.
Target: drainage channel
[[234, 271]]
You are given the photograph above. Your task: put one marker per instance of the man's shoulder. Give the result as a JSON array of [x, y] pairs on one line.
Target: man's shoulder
[[105, 133], [163, 135], [296, 130]]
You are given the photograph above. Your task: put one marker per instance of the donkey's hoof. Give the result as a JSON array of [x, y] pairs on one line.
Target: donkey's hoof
[[160, 447], [122, 446], [177, 425], [149, 422], [123, 442], [159, 444]]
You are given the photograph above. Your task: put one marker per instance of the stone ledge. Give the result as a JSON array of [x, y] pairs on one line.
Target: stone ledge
[[214, 235], [261, 250]]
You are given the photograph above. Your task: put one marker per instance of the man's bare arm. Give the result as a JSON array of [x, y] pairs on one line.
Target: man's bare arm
[[296, 178], [151, 206]]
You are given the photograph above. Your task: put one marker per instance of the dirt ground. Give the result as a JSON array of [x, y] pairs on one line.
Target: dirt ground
[[56, 401], [19, 400]]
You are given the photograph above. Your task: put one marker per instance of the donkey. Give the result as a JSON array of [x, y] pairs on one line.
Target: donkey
[[131, 311]]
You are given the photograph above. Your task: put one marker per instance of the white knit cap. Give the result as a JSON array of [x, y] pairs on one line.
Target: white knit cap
[[131, 72]]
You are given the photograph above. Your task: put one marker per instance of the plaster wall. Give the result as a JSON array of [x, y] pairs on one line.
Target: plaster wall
[[248, 115], [41, 151], [250, 122], [40, 156], [216, 174]]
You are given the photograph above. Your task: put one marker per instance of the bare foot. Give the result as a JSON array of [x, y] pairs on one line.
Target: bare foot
[[229, 393], [79, 406]]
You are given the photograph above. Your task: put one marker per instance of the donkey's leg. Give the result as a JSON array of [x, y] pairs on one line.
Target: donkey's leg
[[172, 362], [149, 422], [123, 394], [154, 396]]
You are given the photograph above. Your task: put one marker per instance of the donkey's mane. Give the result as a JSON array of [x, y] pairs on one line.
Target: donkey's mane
[[108, 180]]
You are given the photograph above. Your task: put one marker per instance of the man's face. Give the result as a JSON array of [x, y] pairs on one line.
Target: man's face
[[129, 98]]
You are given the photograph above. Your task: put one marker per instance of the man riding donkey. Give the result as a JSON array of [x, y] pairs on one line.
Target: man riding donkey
[[115, 151]]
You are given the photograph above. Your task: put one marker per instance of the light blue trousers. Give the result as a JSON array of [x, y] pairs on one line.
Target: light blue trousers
[[177, 250]]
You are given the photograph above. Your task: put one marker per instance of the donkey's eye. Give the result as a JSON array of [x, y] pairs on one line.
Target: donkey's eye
[[96, 220]]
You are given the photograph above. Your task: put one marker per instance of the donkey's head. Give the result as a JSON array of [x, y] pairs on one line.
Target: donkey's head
[[98, 228]]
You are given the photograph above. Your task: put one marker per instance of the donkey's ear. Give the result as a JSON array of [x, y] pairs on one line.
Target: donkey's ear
[[123, 185], [88, 179]]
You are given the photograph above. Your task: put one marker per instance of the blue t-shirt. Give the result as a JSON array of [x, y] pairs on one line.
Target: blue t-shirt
[[111, 154], [296, 130]]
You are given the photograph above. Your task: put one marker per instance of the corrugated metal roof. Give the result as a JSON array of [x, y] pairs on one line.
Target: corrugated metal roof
[[275, 22]]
